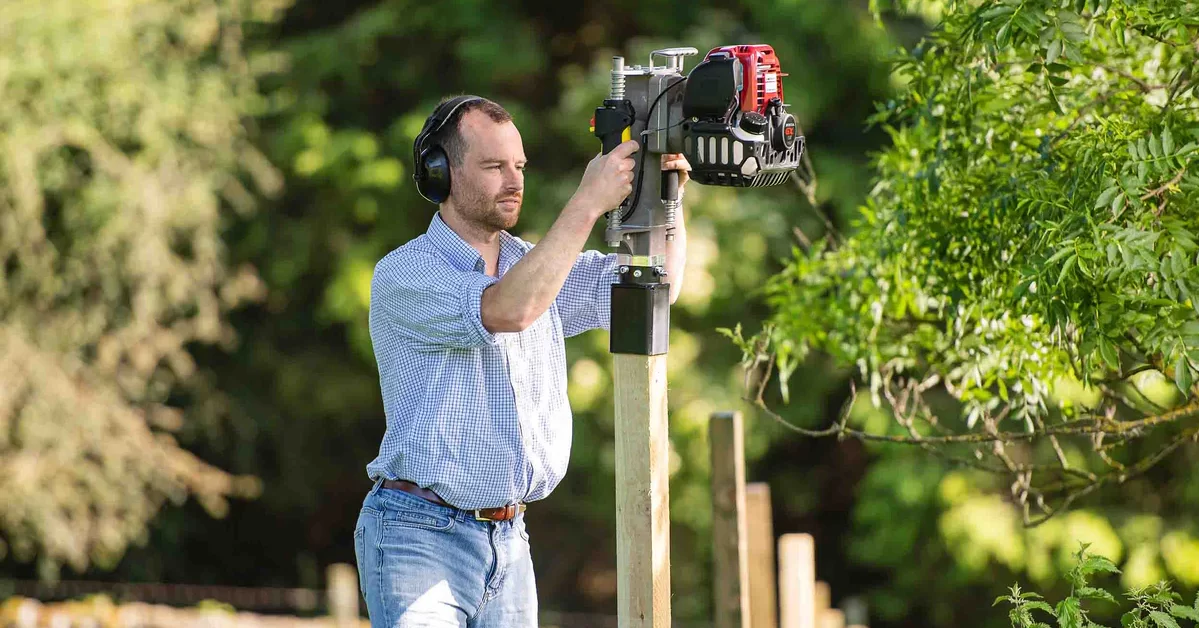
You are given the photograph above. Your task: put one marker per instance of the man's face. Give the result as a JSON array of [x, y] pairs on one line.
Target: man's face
[[488, 188]]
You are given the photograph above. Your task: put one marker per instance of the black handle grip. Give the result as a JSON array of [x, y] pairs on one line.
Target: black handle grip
[[611, 140], [670, 185], [611, 120]]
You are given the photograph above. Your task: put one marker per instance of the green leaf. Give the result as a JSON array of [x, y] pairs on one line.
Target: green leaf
[[1054, 51], [1185, 612], [993, 12], [1118, 205], [1057, 67], [1155, 146], [1058, 80], [1108, 352], [1067, 249], [1002, 598], [1070, 262], [1093, 593], [1167, 141], [1069, 613], [1106, 196], [1095, 564], [1163, 620], [1182, 374], [1057, 106], [1041, 606]]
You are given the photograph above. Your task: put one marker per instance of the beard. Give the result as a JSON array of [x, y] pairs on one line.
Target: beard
[[485, 210]]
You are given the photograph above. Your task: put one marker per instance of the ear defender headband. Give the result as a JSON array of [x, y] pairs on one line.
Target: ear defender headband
[[431, 165]]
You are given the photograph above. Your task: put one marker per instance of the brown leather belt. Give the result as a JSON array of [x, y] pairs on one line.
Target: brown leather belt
[[502, 513]]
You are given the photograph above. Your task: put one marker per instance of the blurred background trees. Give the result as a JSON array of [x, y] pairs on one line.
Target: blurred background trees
[[123, 150], [263, 166]]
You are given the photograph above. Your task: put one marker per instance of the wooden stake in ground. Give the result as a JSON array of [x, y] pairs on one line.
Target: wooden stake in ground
[[797, 581], [824, 601], [342, 582], [763, 597], [832, 618], [730, 552], [642, 492]]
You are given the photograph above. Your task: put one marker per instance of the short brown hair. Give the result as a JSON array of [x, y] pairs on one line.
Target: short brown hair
[[450, 137]]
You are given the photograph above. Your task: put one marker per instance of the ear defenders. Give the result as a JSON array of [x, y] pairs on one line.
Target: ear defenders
[[431, 165]]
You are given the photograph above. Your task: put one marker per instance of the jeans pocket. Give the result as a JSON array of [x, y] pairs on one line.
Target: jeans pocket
[[418, 519], [524, 531]]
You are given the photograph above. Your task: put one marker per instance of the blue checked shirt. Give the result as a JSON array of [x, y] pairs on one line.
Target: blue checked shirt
[[482, 419]]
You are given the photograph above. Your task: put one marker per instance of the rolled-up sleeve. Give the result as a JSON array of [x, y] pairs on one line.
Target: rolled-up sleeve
[[584, 303], [430, 303]]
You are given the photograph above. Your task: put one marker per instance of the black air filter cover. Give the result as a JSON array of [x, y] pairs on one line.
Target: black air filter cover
[[713, 88]]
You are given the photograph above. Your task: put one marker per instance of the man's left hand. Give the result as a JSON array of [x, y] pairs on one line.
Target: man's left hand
[[676, 161]]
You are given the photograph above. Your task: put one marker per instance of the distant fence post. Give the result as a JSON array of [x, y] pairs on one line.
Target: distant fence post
[[797, 581], [856, 614], [832, 618], [730, 552], [763, 594], [823, 601], [342, 581]]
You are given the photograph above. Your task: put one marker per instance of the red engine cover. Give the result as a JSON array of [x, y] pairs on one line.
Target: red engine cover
[[763, 77]]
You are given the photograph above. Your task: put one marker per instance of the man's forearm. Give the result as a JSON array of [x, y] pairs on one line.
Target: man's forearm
[[676, 256], [532, 284]]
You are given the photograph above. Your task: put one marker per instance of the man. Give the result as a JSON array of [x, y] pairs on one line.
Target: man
[[468, 323]]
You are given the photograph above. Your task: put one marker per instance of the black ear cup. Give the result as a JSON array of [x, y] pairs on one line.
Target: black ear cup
[[437, 175], [430, 164]]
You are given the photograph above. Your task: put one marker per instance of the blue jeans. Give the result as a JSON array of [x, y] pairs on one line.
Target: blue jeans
[[424, 565]]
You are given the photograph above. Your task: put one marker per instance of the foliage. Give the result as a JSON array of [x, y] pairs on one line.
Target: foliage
[[1154, 606], [121, 151], [1027, 256]]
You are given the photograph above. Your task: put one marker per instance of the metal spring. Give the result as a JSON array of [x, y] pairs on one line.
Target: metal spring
[[671, 207], [614, 220], [616, 91]]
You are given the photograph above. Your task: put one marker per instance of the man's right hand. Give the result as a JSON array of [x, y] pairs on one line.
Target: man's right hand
[[608, 179]]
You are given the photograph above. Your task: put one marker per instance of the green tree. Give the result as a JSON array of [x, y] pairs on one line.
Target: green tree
[[1019, 297], [1032, 225], [123, 148]]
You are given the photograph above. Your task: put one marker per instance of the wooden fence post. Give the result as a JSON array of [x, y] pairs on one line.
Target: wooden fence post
[[797, 581], [832, 618], [823, 601], [763, 596], [642, 492], [730, 553], [856, 613], [342, 582]]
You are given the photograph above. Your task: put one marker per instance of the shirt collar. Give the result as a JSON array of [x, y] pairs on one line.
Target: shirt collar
[[462, 255]]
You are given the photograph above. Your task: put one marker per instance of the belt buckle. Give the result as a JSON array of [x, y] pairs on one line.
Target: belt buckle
[[509, 512]]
